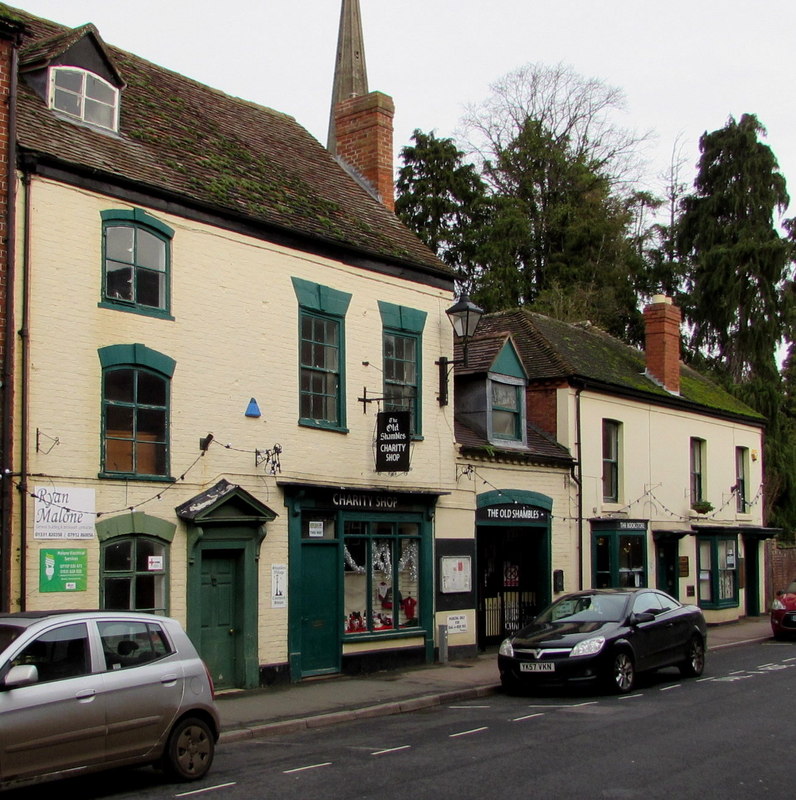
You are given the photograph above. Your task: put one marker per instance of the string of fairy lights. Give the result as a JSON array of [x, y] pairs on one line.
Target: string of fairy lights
[[648, 496], [270, 457]]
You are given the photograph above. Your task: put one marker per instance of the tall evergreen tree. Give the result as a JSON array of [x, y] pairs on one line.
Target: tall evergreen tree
[[738, 262]]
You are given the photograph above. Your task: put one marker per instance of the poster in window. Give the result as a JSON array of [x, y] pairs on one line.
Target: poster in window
[[455, 574]]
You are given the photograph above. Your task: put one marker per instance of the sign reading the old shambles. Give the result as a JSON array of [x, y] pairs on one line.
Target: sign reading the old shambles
[[393, 437], [512, 512]]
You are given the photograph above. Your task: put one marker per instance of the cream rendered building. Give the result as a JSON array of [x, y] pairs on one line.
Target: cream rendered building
[[220, 396], [669, 465]]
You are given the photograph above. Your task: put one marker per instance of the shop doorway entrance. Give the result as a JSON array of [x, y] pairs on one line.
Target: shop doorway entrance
[[320, 614], [512, 577]]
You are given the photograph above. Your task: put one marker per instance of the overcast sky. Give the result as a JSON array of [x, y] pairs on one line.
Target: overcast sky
[[684, 65]]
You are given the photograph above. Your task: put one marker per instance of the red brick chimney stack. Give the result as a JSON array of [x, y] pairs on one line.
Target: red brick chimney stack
[[363, 131], [662, 347]]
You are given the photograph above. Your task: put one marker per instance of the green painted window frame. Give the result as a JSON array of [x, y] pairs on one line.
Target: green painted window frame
[[614, 569], [371, 531], [140, 222], [321, 305], [742, 480], [402, 322], [395, 388], [721, 580], [135, 573], [140, 360]]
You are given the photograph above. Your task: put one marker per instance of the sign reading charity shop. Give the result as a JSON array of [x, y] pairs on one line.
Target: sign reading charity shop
[[64, 513], [392, 441]]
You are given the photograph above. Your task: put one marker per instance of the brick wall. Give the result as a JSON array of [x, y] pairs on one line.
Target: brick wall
[[365, 140], [6, 51], [542, 409], [780, 567]]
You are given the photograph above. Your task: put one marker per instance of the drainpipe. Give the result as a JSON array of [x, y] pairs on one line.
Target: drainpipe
[[7, 412], [579, 480]]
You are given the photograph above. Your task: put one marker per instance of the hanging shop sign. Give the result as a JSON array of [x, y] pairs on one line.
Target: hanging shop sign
[[393, 437], [63, 570], [512, 512], [64, 513]]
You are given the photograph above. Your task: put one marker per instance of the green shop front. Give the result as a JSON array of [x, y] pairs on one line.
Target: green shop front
[[360, 579]]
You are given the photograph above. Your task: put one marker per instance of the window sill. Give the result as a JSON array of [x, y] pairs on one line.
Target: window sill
[[321, 426], [390, 633], [131, 476], [157, 313]]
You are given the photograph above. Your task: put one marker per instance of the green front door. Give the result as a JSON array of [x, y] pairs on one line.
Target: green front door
[[321, 620], [221, 618]]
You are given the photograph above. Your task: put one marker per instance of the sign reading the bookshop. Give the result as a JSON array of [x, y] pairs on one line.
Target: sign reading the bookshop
[[512, 512], [63, 570], [393, 437], [64, 513]]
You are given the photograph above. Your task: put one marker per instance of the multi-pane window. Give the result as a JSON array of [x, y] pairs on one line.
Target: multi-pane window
[[134, 575], [135, 411], [741, 481], [322, 311], [136, 262], [382, 571], [320, 394], [697, 470], [718, 566], [619, 559], [85, 96], [506, 411], [611, 430], [401, 375]]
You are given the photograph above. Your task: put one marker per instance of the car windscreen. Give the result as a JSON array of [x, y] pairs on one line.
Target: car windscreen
[[7, 635], [586, 608]]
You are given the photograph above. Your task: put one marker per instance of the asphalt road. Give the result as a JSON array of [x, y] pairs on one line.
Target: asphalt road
[[726, 735]]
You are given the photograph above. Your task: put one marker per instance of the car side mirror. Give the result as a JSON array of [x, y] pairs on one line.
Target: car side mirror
[[641, 616], [21, 675]]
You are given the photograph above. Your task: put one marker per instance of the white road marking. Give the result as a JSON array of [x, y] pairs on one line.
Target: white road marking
[[629, 696], [673, 686], [309, 766], [469, 707], [206, 789], [467, 733], [527, 716], [391, 750]]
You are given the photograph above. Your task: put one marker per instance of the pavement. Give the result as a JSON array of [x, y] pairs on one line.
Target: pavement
[[320, 702]]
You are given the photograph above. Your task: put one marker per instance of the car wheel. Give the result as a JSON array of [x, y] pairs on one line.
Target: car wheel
[[189, 751], [623, 672], [694, 663]]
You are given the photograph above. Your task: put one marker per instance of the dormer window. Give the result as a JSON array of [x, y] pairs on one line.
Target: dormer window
[[507, 408], [84, 96]]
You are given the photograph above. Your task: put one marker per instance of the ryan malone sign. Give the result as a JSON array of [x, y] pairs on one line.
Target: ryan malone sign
[[392, 441], [64, 513]]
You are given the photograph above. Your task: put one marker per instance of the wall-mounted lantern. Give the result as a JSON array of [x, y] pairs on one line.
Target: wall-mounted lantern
[[464, 315]]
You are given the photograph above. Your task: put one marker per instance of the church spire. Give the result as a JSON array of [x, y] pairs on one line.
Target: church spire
[[350, 73]]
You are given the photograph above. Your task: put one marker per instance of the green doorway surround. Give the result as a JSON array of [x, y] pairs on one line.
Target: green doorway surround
[[226, 527]]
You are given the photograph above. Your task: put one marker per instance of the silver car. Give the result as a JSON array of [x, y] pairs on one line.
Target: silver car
[[89, 690]]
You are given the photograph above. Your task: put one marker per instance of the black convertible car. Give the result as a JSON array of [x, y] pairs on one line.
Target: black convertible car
[[605, 635]]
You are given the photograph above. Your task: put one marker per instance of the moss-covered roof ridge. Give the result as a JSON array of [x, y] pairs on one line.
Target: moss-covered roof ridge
[[582, 352]]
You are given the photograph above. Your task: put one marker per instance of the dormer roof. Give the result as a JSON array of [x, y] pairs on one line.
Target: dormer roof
[[63, 48]]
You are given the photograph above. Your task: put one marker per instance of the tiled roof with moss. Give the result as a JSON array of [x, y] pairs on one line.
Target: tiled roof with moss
[[555, 350], [188, 141]]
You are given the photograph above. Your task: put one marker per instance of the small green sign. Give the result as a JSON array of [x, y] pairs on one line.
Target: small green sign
[[63, 570]]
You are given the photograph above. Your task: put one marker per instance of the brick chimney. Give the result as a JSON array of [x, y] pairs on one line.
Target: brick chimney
[[363, 133], [662, 342]]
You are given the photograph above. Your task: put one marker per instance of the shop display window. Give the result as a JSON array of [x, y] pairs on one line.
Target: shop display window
[[381, 568]]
